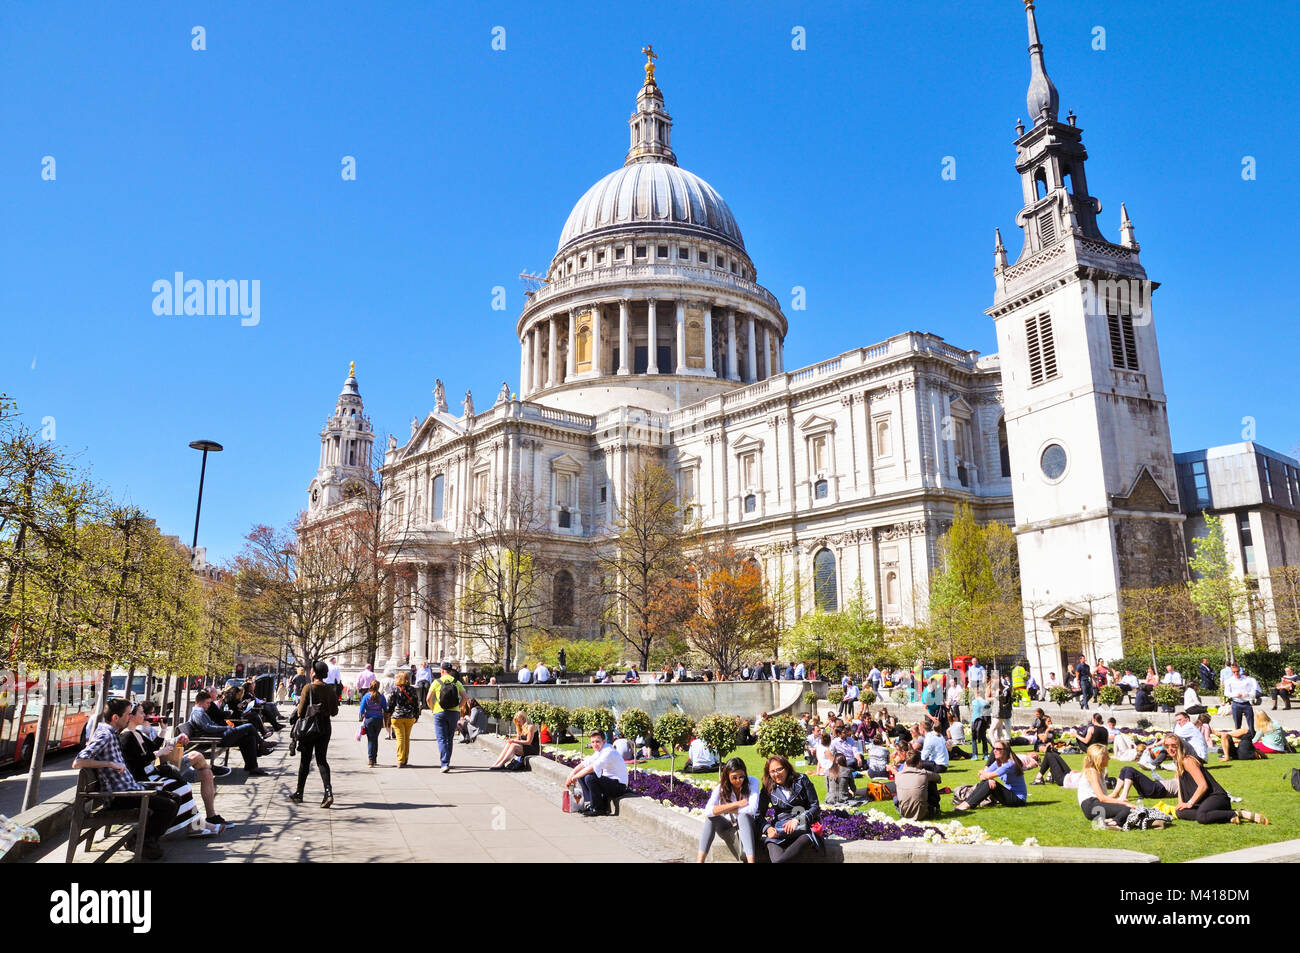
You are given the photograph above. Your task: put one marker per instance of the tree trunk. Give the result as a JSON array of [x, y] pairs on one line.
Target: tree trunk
[[31, 796]]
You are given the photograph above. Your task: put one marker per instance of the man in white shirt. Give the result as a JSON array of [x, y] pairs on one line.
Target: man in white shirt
[[874, 677], [525, 675], [602, 775], [1171, 677], [1240, 690], [975, 675], [335, 677], [801, 671], [601, 675], [1192, 738], [543, 674], [681, 672], [700, 758]]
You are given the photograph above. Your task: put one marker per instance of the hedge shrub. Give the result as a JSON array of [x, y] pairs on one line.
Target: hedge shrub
[[782, 735], [634, 723], [719, 733]]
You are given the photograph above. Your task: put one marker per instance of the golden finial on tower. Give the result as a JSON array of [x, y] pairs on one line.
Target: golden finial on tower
[[651, 56], [352, 368]]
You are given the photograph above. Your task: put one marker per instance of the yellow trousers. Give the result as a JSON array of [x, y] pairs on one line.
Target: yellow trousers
[[402, 728]]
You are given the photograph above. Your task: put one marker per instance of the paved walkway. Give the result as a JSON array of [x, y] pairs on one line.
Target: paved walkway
[[416, 813]]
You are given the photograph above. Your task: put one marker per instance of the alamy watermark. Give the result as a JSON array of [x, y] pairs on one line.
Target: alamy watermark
[[219, 297], [1118, 296]]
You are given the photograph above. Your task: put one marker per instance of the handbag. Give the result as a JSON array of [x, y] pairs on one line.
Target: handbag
[[1295, 779], [308, 726]]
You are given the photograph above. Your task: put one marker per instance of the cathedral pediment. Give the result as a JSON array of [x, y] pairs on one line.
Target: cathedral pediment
[[566, 462], [436, 429], [1144, 495], [747, 442]]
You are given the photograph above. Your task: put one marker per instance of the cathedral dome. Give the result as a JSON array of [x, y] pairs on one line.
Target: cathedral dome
[[652, 193]]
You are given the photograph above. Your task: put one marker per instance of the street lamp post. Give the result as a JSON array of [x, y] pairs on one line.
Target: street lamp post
[[207, 446]]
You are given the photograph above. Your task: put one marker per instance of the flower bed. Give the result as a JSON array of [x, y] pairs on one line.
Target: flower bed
[[689, 797]]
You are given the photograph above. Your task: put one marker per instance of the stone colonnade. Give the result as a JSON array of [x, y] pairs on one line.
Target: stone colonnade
[[692, 338]]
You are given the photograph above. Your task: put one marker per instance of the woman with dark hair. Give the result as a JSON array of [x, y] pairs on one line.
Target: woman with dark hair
[[1004, 781], [1201, 797], [794, 801], [1041, 730], [324, 699], [839, 782], [732, 805]]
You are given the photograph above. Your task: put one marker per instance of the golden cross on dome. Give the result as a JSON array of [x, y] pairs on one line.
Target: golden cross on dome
[[651, 56]]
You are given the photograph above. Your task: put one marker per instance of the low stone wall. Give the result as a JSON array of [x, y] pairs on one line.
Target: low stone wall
[[682, 831], [49, 818], [695, 699]]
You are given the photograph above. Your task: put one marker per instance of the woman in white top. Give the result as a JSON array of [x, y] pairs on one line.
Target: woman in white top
[[733, 803], [823, 754], [1098, 805]]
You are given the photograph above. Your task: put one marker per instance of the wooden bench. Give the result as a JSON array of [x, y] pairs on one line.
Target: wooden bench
[[90, 812], [208, 747]]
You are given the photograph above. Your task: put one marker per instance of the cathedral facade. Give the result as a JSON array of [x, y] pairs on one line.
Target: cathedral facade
[[651, 339]]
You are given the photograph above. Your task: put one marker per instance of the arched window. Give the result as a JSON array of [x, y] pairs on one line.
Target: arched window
[[562, 599], [1040, 184], [437, 496], [824, 581]]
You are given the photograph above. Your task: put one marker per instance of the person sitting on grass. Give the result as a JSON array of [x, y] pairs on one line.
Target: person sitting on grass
[[522, 744], [1201, 797], [839, 782], [700, 758], [733, 804], [877, 758], [1094, 734], [1052, 767], [1242, 744], [1040, 732], [956, 738], [934, 750], [602, 775], [793, 799], [917, 790], [1004, 781], [847, 747], [1098, 806]]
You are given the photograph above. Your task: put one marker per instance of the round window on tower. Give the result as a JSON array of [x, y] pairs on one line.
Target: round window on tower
[[1053, 461]]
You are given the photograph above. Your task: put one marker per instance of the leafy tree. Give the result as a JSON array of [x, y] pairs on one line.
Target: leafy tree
[[850, 640], [1164, 618], [1215, 590], [719, 733], [781, 735], [975, 591], [722, 601], [645, 562], [634, 723], [673, 730]]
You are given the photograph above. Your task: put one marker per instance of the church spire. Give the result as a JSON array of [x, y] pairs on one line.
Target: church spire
[[650, 123], [1043, 100], [1126, 236]]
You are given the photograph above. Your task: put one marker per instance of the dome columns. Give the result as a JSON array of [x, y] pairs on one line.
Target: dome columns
[[706, 338]]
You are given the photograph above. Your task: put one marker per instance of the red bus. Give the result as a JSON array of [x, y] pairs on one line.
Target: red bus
[[22, 693]]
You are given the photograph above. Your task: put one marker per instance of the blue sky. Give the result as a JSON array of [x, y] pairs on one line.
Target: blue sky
[[226, 164]]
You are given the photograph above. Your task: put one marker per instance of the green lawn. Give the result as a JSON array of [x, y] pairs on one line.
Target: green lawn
[[1054, 818]]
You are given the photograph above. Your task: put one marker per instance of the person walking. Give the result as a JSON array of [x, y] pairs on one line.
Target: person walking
[[403, 712], [444, 700], [319, 702], [373, 709]]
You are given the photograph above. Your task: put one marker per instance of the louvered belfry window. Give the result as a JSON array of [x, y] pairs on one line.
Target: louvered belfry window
[[1047, 228], [1123, 342], [1042, 348]]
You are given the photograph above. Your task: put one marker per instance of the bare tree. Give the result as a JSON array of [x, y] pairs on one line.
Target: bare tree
[[645, 562], [504, 580], [299, 587]]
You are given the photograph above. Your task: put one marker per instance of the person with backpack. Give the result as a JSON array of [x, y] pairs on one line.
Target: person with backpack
[[444, 701], [403, 713], [311, 730]]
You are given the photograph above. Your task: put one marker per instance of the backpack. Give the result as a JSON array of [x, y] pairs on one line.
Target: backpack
[[1295, 778], [448, 696]]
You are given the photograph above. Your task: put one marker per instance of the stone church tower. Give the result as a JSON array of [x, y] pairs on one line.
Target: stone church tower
[[346, 446], [1092, 467]]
